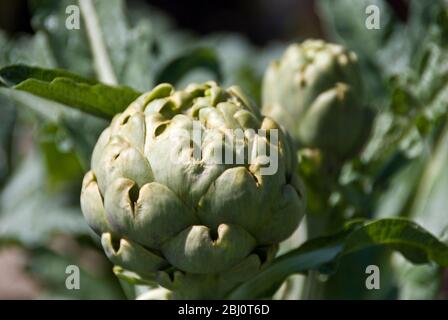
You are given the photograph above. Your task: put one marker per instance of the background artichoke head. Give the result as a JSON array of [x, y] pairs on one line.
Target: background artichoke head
[[315, 91]]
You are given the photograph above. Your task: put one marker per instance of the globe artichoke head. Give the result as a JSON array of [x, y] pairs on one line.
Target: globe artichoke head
[[162, 207], [315, 91]]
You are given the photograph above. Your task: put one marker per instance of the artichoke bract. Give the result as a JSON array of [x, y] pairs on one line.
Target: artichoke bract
[[315, 91], [195, 226]]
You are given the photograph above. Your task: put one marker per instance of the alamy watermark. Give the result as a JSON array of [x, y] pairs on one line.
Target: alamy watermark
[[72, 282], [226, 146], [72, 22], [373, 280], [373, 17]]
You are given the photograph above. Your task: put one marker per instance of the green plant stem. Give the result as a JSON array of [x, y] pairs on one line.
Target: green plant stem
[[320, 223], [128, 289], [101, 58], [316, 225]]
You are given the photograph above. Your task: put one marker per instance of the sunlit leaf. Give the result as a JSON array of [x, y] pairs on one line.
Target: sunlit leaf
[[69, 89], [400, 234]]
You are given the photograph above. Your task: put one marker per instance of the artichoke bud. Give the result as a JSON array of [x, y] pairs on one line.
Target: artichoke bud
[[160, 205], [315, 91]]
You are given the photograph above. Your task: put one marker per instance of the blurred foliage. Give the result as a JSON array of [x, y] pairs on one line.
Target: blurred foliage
[[399, 173]]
